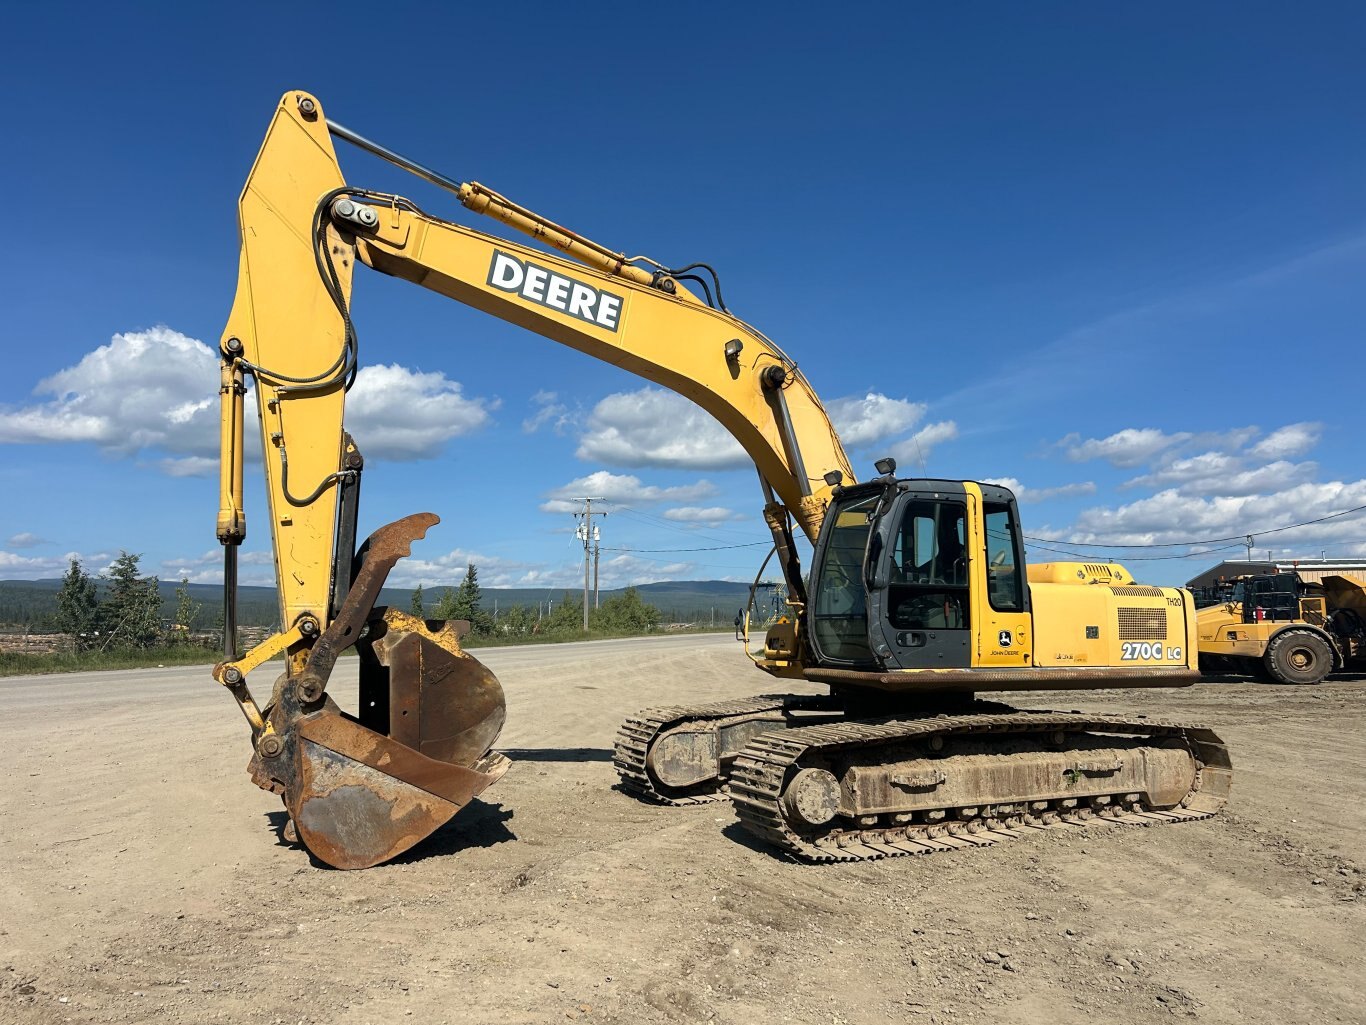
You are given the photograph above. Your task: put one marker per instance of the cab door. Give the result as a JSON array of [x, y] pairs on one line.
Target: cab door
[[1000, 595], [920, 609]]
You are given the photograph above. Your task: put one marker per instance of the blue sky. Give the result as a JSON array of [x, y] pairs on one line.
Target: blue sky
[[1112, 255]]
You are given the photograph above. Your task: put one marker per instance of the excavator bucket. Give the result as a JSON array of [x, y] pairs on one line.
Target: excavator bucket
[[361, 789]]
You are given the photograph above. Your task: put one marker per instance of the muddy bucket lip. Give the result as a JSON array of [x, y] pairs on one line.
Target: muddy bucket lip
[[359, 798]]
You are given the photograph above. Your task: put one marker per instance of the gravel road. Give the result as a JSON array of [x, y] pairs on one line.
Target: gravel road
[[143, 879]]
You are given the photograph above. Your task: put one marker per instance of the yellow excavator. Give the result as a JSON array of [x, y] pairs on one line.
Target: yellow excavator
[[917, 597]]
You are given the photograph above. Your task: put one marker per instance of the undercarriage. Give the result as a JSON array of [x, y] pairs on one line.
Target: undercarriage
[[822, 784]]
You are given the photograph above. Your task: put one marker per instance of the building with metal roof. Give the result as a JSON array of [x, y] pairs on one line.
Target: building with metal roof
[[1311, 571]]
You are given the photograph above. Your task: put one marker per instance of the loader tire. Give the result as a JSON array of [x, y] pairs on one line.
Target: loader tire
[[1299, 657]]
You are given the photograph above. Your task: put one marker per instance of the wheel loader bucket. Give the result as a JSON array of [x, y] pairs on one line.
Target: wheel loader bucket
[[361, 789]]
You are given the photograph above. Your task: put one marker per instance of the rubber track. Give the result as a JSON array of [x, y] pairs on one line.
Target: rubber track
[[760, 771], [637, 733]]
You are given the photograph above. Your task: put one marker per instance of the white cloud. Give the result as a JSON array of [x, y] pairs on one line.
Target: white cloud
[[255, 567], [1222, 441], [26, 540], [404, 415], [1291, 440], [1259, 480], [145, 389], [1025, 494], [657, 428], [912, 453], [189, 466], [702, 514], [549, 411], [1224, 452], [1172, 517], [438, 572], [1219, 473], [1228, 473], [1130, 447], [872, 418], [652, 427], [158, 390], [1203, 467], [622, 489], [628, 570], [27, 567]]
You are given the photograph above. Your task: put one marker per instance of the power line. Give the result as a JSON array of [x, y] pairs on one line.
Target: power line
[[700, 565], [1134, 558], [1045, 543], [718, 548], [1240, 538], [651, 520]]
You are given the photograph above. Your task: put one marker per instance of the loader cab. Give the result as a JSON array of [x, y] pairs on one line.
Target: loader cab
[[1272, 598], [904, 567]]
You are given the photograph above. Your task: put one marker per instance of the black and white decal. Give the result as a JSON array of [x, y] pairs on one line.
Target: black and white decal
[[552, 289]]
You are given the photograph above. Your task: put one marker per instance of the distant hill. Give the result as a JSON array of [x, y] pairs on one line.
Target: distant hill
[[30, 603]]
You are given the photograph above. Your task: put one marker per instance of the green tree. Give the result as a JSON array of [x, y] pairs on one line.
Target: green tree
[[445, 606], [625, 613], [565, 617], [186, 611], [130, 614], [416, 607], [468, 594], [463, 603], [77, 606], [515, 621]]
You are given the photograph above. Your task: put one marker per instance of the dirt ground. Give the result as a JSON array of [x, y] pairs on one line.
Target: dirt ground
[[143, 880]]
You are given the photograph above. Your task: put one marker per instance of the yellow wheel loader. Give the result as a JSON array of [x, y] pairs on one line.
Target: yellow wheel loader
[[1280, 628], [917, 596]]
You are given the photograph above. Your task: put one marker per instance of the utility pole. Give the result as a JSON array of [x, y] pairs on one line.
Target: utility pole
[[597, 536], [586, 533], [1248, 542]]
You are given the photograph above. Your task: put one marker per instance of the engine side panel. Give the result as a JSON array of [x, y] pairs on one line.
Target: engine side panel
[[1124, 626]]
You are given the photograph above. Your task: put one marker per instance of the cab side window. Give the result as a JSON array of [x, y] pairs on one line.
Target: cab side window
[[1005, 585]]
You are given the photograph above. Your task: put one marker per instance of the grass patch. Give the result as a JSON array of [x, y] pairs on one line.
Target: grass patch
[[496, 640], [17, 663], [14, 663]]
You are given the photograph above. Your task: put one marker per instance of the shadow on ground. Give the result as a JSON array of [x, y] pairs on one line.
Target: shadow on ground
[[558, 754], [478, 824], [744, 838]]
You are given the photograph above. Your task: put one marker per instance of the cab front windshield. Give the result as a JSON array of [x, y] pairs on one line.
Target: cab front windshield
[[840, 612]]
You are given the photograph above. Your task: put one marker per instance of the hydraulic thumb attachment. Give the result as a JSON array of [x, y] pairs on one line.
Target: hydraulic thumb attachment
[[363, 789]]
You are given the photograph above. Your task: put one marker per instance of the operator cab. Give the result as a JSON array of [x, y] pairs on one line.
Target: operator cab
[[901, 565]]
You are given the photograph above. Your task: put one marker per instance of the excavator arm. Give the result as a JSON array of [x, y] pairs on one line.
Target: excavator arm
[[303, 229]]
